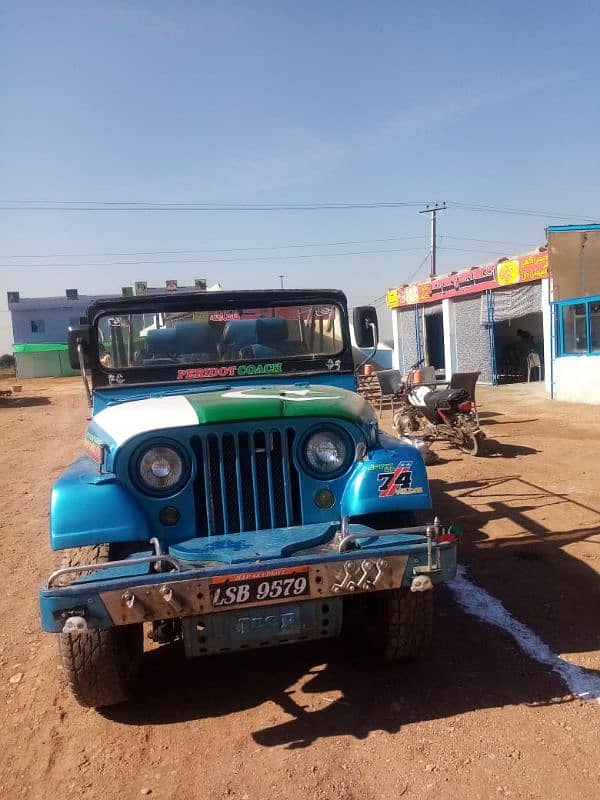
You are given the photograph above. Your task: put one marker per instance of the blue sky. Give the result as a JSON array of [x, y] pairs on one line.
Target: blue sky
[[279, 102]]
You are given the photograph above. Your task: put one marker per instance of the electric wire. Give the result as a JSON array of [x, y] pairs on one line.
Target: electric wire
[[521, 212], [483, 241], [382, 298], [99, 205], [220, 250], [208, 260], [466, 250], [419, 268], [302, 245], [113, 205]]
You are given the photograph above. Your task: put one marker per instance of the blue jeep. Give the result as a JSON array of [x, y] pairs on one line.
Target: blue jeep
[[235, 491]]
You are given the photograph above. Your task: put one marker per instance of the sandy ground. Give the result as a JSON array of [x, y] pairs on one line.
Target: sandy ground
[[476, 719]]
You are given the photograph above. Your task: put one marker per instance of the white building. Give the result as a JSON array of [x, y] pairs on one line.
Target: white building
[[574, 261]]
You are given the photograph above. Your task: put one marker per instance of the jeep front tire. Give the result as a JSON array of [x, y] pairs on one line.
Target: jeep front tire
[[100, 665], [405, 626]]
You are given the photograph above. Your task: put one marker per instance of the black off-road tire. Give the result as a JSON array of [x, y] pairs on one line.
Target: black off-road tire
[[408, 619], [100, 665], [396, 624]]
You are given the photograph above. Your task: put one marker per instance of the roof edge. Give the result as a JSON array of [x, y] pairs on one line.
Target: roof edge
[[591, 226]]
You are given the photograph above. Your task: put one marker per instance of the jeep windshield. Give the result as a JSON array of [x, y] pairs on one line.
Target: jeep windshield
[[223, 337]]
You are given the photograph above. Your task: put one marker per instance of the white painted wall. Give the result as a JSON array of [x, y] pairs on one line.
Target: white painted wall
[[577, 379], [547, 327], [396, 334], [449, 338]]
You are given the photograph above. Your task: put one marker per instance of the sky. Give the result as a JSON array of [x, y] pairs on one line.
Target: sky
[[248, 103]]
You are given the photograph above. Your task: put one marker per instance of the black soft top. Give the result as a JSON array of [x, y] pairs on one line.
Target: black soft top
[[221, 300], [288, 366]]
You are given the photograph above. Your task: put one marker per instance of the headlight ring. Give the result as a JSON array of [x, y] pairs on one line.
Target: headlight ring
[[160, 468], [326, 452]]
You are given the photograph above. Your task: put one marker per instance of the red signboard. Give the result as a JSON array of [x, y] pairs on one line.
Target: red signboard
[[523, 269]]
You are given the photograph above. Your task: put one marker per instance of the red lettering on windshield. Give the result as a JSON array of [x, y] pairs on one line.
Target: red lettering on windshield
[[206, 372]]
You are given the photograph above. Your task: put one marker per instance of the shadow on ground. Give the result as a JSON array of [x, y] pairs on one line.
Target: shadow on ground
[[16, 401], [492, 448], [529, 569], [492, 421], [472, 665]]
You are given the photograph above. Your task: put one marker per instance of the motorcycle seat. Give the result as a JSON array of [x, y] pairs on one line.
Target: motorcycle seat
[[446, 398]]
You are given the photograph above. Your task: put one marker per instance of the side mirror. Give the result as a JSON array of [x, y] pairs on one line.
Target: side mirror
[[79, 334], [366, 329]]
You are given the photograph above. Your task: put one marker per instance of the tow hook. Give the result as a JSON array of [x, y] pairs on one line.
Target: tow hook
[[421, 583], [433, 534], [75, 625]]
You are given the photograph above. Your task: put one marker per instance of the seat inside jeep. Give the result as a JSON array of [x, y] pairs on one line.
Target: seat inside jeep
[[190, 341], [185, 342], [266, 337]]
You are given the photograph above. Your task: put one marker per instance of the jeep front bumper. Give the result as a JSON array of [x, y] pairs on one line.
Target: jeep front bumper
[[207, 576]]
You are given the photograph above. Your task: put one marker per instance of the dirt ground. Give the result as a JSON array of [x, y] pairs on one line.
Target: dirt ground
[[476, 719]]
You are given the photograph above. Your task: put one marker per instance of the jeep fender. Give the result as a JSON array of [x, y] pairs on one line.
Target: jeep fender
[[89, 508], [392, 478]]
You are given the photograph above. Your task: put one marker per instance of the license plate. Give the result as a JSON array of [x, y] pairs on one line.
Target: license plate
[[259, 587]]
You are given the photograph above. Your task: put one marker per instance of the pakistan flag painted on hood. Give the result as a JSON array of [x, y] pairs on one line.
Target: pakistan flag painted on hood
[[126, 420]]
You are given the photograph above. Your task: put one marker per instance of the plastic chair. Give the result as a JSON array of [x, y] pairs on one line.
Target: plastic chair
[[468, 381], [533, 362], [390, 383]]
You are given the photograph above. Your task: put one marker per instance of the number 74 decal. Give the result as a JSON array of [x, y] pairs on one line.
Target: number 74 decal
[[399, 481]]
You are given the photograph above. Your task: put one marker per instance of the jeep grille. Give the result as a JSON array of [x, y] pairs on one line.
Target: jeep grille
[[246, 481]]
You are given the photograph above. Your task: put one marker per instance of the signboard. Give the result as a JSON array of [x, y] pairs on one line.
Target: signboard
[[171, 285], [392, 298], [523, 269], [533, 267], [141, 287]]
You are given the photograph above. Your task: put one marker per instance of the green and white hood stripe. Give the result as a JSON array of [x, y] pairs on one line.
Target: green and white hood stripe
[[124, 421]]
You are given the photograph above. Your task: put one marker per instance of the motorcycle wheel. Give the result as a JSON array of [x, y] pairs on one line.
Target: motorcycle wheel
[[471, 443], [404, 423]]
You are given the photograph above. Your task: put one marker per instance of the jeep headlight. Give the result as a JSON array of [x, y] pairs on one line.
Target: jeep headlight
[[161, 469], [327, 452]]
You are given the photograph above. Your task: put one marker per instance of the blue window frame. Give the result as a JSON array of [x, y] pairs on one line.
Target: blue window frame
[[578, 326]]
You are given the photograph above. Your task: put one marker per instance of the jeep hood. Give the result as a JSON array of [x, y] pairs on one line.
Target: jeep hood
[[123, 421]]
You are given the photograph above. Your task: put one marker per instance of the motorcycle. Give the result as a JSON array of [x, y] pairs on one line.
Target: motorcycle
[[445, 414]]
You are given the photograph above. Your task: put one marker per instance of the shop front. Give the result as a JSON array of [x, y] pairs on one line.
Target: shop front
[[493, 319]]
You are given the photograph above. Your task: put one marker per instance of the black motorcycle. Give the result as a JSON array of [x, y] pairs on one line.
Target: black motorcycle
[[438, 414]]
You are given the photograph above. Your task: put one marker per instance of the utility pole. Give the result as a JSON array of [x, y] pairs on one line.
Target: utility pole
[[281, 277], [432, 210]]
